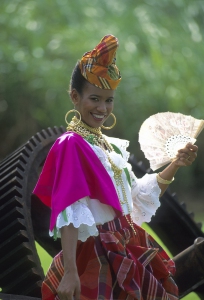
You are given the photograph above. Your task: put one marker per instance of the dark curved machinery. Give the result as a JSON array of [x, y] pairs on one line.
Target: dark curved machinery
[[24, 220], [21, 271]]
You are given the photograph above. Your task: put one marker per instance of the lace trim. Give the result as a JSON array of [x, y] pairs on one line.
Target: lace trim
[[116, 157], [81, 217], [121, 144]]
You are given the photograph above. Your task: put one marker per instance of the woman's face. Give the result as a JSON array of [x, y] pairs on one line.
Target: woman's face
[[94, 104]]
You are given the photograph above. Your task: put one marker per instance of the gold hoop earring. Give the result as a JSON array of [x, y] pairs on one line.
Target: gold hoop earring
[[114, 122], [73, 111]]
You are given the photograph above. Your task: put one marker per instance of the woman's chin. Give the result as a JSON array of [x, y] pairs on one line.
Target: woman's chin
[[94, 123]]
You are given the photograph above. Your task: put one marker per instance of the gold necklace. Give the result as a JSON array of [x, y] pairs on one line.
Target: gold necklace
[[95, 137]]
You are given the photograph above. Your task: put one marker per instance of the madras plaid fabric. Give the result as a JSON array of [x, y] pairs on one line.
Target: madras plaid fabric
[[98, 66], [118, 265]]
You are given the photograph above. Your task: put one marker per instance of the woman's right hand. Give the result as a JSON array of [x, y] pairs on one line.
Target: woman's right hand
[[69, 287]]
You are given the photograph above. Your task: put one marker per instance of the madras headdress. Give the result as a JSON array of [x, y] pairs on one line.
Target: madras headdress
[[98, 66]]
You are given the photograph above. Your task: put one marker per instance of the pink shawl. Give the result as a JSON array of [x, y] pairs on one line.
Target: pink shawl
[[72, 171]]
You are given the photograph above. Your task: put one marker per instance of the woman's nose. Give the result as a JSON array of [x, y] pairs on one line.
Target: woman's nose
[[102, 107]]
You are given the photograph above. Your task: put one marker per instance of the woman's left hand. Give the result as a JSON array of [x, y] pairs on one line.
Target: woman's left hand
[[186, 156]]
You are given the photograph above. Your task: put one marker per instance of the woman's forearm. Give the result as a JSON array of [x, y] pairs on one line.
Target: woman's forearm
[[167, 174], [185, 157], [69, 286], [69, 237]]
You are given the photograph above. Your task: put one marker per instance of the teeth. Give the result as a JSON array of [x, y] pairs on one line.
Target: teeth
[[98, 116]]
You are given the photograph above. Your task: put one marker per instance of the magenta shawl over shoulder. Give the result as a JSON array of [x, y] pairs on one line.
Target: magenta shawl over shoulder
[[72, 171]]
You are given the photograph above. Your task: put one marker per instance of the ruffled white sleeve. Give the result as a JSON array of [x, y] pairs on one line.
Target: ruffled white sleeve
[[145, 191], [80, 216], [85, 215], [145, 195]]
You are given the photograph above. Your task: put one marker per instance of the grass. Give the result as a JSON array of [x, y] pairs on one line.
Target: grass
[[46, 258]]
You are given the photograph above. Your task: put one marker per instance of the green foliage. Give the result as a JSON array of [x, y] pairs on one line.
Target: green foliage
[[160, 58]]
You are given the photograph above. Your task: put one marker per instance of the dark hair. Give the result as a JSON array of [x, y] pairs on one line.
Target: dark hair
[[77, 80]]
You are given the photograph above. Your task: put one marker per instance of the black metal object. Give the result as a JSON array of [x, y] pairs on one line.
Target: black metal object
[[21, 271], [22, 221], [190, 268], [172, 223], [16, 297], [175, 227]]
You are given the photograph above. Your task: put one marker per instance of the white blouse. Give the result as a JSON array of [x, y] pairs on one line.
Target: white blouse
[[142, 195]]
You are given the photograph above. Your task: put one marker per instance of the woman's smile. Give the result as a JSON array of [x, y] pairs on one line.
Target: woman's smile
[[97, 117]]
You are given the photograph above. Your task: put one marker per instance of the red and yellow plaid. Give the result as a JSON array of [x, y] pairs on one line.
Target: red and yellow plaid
[[98, 66], [118, 265]]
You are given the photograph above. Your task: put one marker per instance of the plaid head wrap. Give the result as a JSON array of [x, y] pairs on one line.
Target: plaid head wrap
[[98, 66]]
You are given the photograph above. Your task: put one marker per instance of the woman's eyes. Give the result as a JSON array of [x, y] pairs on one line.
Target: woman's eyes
[[109, 100], [97, 99]]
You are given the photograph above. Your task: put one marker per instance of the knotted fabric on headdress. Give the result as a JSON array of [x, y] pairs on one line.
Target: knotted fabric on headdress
[[98, 66]]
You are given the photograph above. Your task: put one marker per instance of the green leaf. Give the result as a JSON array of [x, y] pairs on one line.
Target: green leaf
[[117, 150], [90, 139], [65, 215]]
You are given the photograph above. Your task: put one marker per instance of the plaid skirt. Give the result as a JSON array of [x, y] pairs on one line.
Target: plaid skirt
[[118, 264]]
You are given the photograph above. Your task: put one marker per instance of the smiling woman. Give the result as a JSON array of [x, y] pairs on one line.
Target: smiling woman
[[97, 203]]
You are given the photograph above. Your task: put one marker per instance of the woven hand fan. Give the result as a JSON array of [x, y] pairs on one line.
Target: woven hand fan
[[163, 134]]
